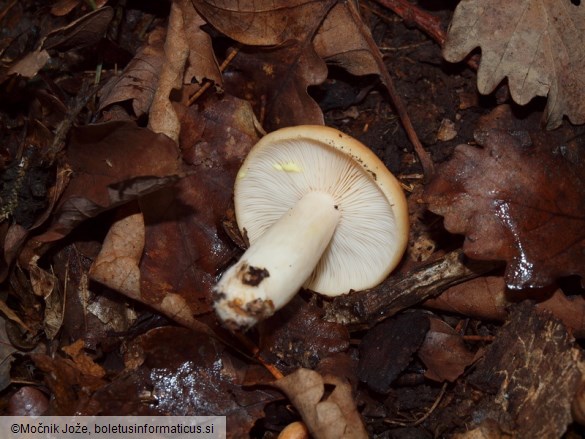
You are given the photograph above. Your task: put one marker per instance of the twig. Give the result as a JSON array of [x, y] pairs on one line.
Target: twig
[[426, 22], [423, 156], [222, 67], [363, 309]]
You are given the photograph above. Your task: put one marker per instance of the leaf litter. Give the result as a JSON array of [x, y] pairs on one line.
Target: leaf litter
[[119, 216]]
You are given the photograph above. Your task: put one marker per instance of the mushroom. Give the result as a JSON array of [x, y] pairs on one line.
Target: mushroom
[[320, 211]]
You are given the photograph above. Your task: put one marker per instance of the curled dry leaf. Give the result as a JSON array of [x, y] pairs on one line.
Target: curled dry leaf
[[328, 416], [517, 200], [138, 81], [538, 45], [163, 118]]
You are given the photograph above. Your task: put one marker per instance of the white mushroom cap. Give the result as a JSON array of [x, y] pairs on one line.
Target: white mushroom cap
[[372, 233]]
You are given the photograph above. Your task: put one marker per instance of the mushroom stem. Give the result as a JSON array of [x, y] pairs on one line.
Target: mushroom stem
[[276, 266]]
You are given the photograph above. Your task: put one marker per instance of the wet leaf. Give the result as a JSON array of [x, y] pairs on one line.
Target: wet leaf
[[28, 401], [183, 372], [185, 248], [112, 164], [519, 199], [388, 348], [538, 45], [297, 336], [487, 298]]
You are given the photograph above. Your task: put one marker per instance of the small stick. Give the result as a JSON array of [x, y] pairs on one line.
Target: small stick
[[222, 67], [423, 156]]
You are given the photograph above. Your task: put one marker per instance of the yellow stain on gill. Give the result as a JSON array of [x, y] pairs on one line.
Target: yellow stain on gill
[[287, 167]]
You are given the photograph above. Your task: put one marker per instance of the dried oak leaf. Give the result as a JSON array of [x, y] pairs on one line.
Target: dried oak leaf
[[538, 45], [328, 415], [111, 164], [520, 201]]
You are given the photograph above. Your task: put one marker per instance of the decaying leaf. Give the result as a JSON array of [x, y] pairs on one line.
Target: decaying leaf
[[304, 340], [163, 118], [538, 45], [278, 77], [487, 298], [444, 352], [528, 377], [183, 372], [519, 199], [327, 415], [388, 348], [292, 41], [112, 163]]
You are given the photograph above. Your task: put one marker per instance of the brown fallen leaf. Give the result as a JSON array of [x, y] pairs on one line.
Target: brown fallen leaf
[[538, 45], [70, 386], [83, 362], [388, 348], [331, 415], [169, 254], [444, 352], [84, 31], [138, 81], [291, 43], [112, 163], [178, 371], [264, 22], [519, 199], [28, 401], [163, 118], [278, 77], [201, 64], [297, 336], [487, 298]]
